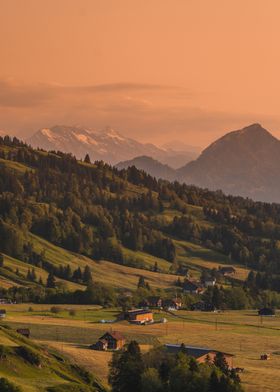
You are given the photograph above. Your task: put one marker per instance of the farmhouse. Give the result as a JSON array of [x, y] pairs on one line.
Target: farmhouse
[[266, 312], [227, 271], [5, 301], [109, 341], [175, 303], [201, 354], [2, 313], [192, 287], [210, 282], [24, 332]]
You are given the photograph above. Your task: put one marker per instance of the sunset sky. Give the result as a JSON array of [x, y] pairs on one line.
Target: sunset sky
[[156, 70]]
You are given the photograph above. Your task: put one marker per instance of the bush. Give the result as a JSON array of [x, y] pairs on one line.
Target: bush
[[55, 309], [72, 312], [3, 352], [7, 386], [30, 309], [29, 355]]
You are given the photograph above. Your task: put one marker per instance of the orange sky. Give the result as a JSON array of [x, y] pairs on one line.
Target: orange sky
[[156, 70]]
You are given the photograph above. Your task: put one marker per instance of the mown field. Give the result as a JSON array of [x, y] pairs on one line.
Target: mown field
[[242, 333]]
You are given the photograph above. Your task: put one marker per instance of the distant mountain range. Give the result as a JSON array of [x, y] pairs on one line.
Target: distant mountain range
[[244, 162], [108, 145]]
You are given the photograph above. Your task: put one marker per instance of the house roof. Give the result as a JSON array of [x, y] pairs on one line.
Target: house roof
[[23, 330], [139, 311], [115, 335], [193, 351], [267, 311], [227, 269], [154, 299], [188, 285]]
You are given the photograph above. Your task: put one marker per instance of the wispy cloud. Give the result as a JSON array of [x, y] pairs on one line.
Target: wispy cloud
[[149, 112]]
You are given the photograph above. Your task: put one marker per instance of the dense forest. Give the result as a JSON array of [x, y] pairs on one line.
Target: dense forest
[[97, 211]]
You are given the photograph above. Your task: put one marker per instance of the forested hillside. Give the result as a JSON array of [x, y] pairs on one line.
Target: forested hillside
[[126, 217]]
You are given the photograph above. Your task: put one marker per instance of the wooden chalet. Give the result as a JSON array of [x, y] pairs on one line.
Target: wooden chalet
[[192, 287], [109, 341], [201, 354], [227, 271], [24, 332], [175, 304]]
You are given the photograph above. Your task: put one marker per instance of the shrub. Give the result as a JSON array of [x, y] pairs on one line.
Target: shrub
[[29, 355], [55, 309], [30, 309], [3, 352], [7, 386], [72, 312]]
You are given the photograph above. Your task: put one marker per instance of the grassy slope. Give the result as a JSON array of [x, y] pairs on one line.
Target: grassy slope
[[116, 275], [52, 372], [192, 255]]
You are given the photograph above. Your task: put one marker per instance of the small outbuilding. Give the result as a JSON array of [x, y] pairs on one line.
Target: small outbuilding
[[2, 313], [266, 312], [24, 332], [192, 287], [227, 271]]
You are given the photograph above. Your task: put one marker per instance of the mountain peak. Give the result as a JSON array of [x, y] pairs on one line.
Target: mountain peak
[[254, 128], [244, 162]]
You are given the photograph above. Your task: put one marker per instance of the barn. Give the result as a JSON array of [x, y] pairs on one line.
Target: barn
[[201, 354], [113, 340]]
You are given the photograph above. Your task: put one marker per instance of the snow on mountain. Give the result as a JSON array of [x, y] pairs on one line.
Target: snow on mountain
[[108, 144]]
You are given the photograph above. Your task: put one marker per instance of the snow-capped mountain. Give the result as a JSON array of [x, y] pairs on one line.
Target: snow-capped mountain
[[108, 144]]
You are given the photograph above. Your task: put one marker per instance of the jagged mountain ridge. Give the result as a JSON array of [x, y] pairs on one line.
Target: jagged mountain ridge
[[108, 145]]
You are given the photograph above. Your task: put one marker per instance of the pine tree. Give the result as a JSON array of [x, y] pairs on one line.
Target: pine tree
[[221, 363], [141, 283], [51, 283], [33, 275], [87, 277], [87, 159], [126, 369], [28, 275]]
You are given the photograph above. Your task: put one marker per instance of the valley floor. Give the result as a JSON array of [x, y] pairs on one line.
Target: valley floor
[[242, 333]]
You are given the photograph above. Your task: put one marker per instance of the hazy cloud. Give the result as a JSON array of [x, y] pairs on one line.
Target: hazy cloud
[[148, 112]]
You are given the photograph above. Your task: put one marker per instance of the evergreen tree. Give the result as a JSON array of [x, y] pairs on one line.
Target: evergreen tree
[[126, 369], [221, 363], [87, 277], [87, 159], [51, 282], [7, 386]]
